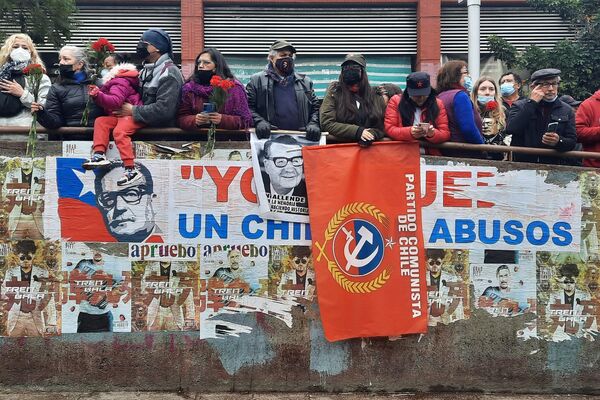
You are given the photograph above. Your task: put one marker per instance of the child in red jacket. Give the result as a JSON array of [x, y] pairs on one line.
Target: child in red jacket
[[121, 86]]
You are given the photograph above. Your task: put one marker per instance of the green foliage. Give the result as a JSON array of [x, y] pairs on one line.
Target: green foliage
[[44, 20], [579, 59]]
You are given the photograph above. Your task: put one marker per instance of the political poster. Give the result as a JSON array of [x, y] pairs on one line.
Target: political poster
[[291, 272], [30, 296], [367, 239], [97, 288], [279, 176]]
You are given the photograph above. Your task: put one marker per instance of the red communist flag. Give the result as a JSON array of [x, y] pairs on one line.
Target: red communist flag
[[365, 219]]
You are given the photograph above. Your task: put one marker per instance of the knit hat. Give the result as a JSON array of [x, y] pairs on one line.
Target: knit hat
[[159, 39]]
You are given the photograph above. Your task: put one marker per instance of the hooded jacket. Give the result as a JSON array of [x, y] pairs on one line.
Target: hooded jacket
[[65, 104], [587, 122], [121, 86]]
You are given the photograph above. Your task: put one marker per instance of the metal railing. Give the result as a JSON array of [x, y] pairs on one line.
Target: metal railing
[[175, 134]]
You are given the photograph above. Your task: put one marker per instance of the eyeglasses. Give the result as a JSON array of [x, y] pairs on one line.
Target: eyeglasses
[[23, 257], [436, 262], [281, 162], [130, 195], [569, 281], [298, 260], [547, 85]]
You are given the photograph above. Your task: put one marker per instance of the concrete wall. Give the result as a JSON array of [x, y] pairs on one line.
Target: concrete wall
[[479, 354]]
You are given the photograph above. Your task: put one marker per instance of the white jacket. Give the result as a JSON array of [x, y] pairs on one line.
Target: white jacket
[[24, 118]]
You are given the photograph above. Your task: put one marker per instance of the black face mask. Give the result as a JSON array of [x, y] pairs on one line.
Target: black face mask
[[351, 76], [203, 76], [141, 51], [66, 71], [285, 65]]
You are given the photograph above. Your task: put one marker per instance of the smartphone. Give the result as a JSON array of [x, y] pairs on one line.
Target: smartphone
[[552, 127], [208, 108], [424, 126]]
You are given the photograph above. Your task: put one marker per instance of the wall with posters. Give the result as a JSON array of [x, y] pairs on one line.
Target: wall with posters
[[180, 283]]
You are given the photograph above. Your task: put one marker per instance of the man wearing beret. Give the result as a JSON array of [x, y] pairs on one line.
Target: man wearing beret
[[280, 98], [160, 81], [542, 120]]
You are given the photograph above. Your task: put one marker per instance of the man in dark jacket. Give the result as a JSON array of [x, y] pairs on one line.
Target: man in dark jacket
[[280, 98], [160, 81], [542, 120]]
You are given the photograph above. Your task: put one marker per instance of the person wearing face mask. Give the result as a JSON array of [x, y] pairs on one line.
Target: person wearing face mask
[[454, 86], [352, 110], [542, 120], [235, 114], [280, 98], [417, 115], [68, 96], [510, 89], [16, 53], [485, 95]]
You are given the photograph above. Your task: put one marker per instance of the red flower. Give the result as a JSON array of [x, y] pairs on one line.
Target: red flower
[[215, 81], [33, 69], [491, 106], [226, 84], [102, 44]]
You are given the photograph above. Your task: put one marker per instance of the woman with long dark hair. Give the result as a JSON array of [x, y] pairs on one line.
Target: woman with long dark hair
[[454, 86], [417, 115], [234, 115], [352, 110]]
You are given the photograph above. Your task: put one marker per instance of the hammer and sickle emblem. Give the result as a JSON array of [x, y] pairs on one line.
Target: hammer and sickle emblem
[[366, 236]]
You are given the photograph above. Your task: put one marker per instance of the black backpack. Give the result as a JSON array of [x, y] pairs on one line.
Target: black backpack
[[11, 105]]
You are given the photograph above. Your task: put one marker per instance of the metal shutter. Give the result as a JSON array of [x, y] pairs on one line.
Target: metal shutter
[[521, 26], [324, 69], [322, 30], [123, 25]]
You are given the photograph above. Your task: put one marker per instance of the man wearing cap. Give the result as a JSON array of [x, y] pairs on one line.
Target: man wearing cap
[[542, 120], [280, 98], [160, 81], [588, 127]]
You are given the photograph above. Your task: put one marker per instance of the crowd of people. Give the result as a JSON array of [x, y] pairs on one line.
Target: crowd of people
[[124, 100]]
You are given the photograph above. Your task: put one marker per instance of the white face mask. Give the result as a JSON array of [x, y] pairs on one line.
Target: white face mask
[[20, 55]]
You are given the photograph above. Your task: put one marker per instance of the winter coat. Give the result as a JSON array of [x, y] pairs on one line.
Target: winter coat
[[24, 117], [397, 129], [527, 125], [351, 129], [587, 123], [120, 86], [262, 101], [160, 85], [235, 114], [65, 104]]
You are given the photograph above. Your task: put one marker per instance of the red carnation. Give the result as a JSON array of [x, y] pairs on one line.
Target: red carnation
[[215, 81], [491, 106], [102, 44], [33, 69], [226, 84]]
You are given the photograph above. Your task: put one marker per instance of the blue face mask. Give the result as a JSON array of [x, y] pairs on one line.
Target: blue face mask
[[506, 89], [484, 99], [468, 83]]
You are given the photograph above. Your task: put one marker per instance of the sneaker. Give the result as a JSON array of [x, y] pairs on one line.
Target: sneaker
[[97, 160], [131, 175]]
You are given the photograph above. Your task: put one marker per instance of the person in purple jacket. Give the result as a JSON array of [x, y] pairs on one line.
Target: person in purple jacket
[[120, 86], [454, 86]]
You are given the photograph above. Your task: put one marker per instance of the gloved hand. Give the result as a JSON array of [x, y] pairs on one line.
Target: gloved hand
[[313, 132], [263, 130]]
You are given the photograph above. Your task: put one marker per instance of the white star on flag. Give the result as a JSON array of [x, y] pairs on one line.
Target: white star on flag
[[87, 180], [389, 242]]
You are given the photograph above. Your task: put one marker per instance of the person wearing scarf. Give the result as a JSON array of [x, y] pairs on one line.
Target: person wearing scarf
[[17, 52], [235, 114]]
